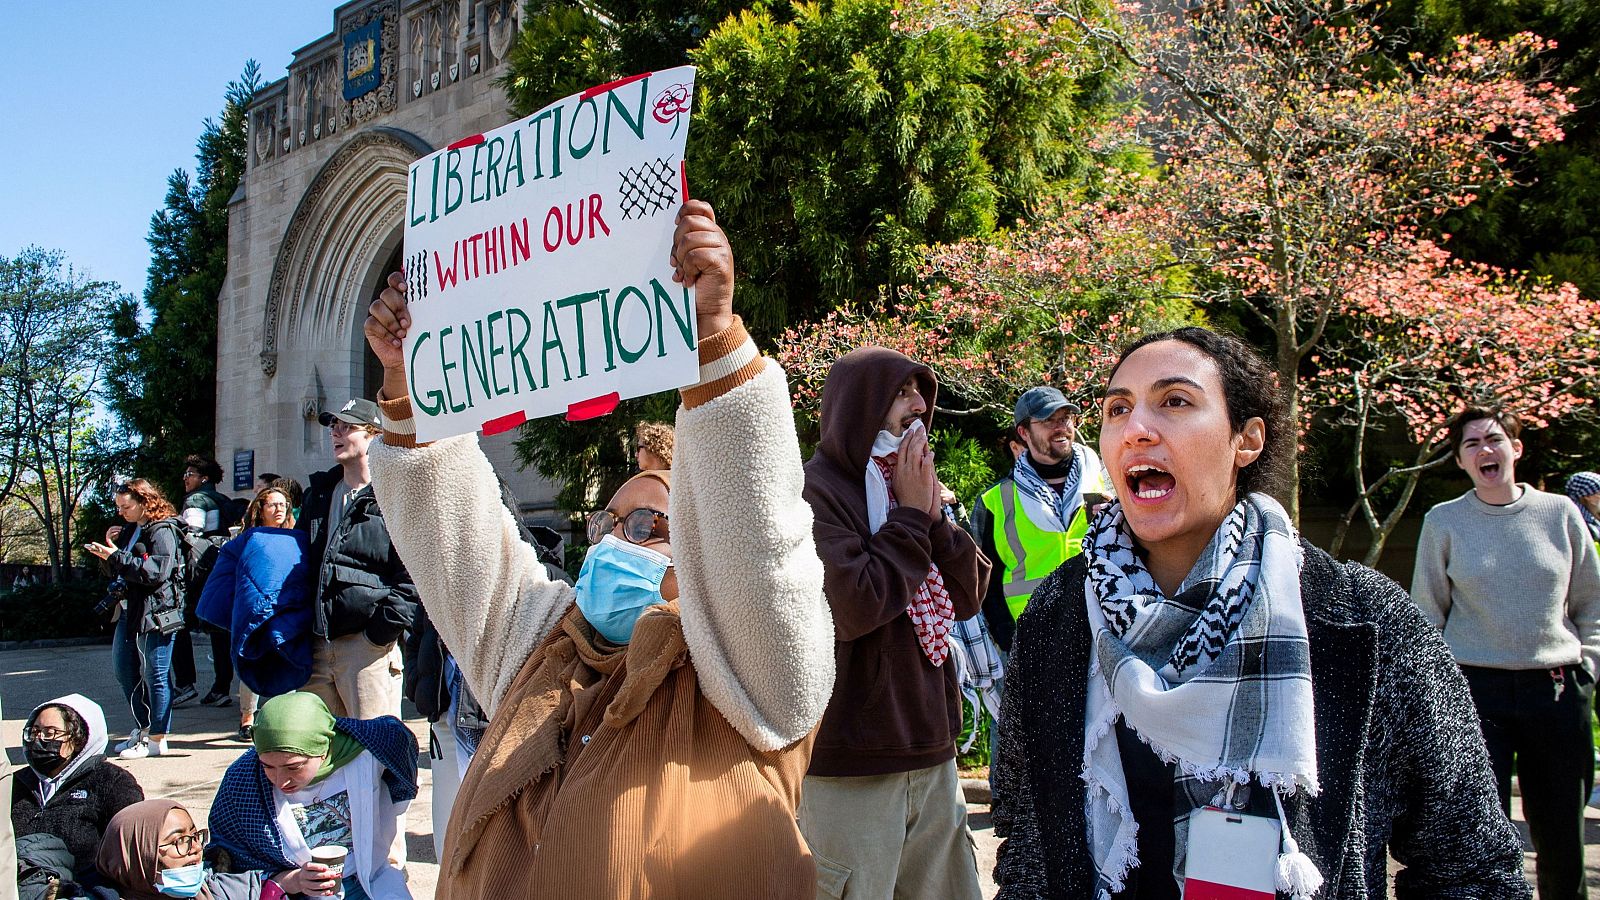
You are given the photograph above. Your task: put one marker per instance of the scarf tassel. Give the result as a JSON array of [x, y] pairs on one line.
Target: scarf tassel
[[1298, 876]]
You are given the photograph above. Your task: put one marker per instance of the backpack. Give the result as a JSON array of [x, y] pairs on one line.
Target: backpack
[[233, 510], [197, 556]]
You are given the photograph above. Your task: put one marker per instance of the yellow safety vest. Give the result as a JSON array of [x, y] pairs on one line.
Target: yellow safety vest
[[1029, 553]]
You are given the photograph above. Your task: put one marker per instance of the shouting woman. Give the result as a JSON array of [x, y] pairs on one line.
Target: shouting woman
[[1204, 695]]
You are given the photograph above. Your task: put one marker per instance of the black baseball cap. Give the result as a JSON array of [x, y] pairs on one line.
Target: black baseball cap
[[355, 412]]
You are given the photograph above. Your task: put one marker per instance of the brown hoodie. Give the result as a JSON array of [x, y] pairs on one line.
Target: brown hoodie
[[892, 710]]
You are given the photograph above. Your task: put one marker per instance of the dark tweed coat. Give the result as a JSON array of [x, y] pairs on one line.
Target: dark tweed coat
[[1399, 755]]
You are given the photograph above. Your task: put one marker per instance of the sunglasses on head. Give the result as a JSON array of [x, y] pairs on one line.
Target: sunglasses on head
[[637, 526]]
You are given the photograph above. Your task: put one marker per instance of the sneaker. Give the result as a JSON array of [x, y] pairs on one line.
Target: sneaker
[[217, 699], [245, 733], [146, 748], [135, 738], [184, 695]]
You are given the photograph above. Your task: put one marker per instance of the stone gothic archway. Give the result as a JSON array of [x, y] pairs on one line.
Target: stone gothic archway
[[347, 227]]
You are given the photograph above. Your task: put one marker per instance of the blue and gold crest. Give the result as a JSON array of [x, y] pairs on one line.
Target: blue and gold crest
[[361, 56]]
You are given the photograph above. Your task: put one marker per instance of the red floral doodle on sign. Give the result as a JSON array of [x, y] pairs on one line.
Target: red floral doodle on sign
[[671, 103]]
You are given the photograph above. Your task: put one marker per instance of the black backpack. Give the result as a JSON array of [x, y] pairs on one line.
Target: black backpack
[[197, 556], [233, 511]]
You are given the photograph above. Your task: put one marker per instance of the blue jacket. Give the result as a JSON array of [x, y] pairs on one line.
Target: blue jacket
[[260, 591]]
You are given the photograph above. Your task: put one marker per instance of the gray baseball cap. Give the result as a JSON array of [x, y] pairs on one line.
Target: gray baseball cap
[[355, 412], [1042, 403]]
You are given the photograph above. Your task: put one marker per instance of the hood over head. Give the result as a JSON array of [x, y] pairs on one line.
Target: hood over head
[[859, 390], [94, 718]]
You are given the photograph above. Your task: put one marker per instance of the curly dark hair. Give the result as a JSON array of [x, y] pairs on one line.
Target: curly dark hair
[[77, 729], [146, 494], [208, 468], [1250, 390]]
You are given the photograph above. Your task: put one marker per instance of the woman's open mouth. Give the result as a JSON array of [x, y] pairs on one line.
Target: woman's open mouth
[[1149, 482]]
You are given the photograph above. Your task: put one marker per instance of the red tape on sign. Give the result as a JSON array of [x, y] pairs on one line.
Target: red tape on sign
[[593, 409], [466, 142], [599, 89], [504, 423]]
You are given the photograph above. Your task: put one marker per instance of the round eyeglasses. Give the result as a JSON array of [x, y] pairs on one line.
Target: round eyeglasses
[[45, 733], [637, 527], [184, 844]]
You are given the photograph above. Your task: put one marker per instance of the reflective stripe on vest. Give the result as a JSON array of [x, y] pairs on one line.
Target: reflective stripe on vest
[[1028, 553]]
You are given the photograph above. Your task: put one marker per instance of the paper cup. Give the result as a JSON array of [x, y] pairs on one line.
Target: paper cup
[[332, 856]]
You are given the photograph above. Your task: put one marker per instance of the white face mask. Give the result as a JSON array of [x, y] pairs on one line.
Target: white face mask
[[887, 442], [184, 881]]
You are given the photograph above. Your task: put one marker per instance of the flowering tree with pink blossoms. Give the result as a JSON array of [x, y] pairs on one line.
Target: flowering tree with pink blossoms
[[1297, 156], [1435, 334], [1045, 303]]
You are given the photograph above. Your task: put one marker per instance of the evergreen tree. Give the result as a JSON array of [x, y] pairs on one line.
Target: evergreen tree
[[833, 144], [568, 45], [1548, 223], [162, 378]]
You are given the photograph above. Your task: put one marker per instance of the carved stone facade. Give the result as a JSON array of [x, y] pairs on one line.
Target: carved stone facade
[[317, 223]]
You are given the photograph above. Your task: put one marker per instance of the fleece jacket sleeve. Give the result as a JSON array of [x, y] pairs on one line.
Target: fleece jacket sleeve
[[759, 631], [484, 588]]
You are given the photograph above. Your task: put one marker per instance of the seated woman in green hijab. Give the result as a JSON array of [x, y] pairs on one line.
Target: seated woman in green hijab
[[314, 780]]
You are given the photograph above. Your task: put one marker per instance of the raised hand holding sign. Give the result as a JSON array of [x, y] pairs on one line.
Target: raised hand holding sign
[[548, 268], [701, 260]]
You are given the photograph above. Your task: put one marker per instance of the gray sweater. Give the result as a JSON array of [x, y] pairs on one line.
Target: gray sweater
[[1511, 587]]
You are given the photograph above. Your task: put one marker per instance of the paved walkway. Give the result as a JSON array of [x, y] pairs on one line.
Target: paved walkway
[[203, 747]]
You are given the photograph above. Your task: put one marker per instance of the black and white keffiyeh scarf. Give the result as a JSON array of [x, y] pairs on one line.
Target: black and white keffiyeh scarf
[[1063, 502], [1216, 679]]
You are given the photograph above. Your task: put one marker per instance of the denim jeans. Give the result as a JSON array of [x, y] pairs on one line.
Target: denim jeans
[[142, 662]]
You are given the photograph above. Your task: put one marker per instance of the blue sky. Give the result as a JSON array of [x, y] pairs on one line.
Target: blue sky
[[102, 100]]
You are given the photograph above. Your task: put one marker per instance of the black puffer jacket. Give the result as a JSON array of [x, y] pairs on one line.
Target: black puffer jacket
[[1400, 758], [78, 811], [360, 583]]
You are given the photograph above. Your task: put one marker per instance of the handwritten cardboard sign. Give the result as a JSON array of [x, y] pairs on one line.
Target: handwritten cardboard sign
[[537, 262]]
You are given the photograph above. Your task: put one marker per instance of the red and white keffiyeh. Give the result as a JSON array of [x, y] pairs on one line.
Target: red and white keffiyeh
[[931, 611]]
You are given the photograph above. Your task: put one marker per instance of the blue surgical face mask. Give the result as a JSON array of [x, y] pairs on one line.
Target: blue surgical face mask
[[617, 582], [184, 881]]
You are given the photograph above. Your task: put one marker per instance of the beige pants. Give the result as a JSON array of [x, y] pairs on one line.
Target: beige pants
[[890, 837], [355, 677]]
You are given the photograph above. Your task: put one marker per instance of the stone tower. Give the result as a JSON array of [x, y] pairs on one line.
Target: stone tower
[[316, 224]]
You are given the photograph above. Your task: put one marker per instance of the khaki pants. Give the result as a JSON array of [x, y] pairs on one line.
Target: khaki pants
[[355, 677], [890, 837]]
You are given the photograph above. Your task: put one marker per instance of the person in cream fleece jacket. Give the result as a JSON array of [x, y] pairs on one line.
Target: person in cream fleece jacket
[[650, 727]]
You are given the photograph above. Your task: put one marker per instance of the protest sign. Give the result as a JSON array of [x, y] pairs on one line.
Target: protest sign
[[537, 262]]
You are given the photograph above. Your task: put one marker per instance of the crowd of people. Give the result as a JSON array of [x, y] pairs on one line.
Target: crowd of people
[[754, 685]]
